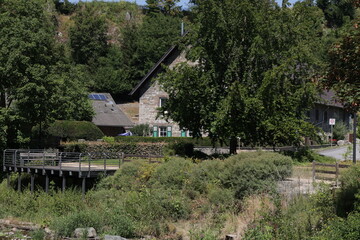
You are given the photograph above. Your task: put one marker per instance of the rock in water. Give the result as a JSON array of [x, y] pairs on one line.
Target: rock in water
[[79, 232]]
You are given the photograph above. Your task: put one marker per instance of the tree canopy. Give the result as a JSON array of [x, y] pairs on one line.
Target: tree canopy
[[253, 77]]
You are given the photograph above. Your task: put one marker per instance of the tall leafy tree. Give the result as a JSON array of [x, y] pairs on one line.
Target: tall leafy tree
[[336, 11], [88, 39], [343, 70], [29, 88], [167, 7], [252, 80], [144, 45]]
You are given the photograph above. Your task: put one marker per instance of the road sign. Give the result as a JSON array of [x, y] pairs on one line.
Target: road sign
[[331, 121]]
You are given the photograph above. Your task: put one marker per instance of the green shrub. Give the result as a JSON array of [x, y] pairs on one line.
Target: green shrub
[[340, 130], [350, 188], [182, 149], [127, 148], [172, 174], [305, 154], [253, 172], [66, 225], [143, 130], [72, 130], [339, 228]]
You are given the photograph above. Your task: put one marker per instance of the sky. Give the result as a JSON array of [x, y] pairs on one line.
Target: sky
[[183, 3]]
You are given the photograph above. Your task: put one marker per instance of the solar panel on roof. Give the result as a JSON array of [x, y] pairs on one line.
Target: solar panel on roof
[[90, 96], [96, 97], [102, 97]]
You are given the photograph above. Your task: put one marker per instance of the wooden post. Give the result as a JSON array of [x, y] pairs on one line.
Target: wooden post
[[32, 179], [63, 183], [47, 183], [83, 187], [313, 170], [19, 182]]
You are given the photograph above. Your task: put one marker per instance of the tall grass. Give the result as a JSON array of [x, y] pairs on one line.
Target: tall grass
[[149, 199]]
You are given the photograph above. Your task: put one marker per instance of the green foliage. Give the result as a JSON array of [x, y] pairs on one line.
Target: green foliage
[[251, 172], [340, 130], [71, 130], [348, 228], [182, 149], [347, 198], [305, 154], [127, 148], [337, 12], [141, 130], [250, 82], [343, 58], [88, 38]]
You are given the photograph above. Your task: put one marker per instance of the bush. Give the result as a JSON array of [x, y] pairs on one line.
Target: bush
[[143, 130], [253, 172], [350, 188], [182, 149], [72, 130], [340, 130], [127, 148], [305, 154]]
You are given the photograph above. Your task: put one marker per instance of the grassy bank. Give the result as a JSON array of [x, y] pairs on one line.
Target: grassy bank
[[176, 199]]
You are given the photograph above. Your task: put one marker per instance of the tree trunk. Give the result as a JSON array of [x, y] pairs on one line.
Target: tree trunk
[[233, 145], [2, 100]]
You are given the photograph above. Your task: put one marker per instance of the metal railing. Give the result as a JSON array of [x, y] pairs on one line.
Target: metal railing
[[67, 161]]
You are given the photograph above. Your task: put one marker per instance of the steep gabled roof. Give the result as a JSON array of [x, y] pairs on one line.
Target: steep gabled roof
[[155, 69], [107, 112], [329, 98]]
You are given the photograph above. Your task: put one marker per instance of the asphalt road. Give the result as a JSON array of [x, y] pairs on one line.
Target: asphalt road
[[340, 152]]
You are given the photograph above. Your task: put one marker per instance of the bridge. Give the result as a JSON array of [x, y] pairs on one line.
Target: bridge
[[64, 164]]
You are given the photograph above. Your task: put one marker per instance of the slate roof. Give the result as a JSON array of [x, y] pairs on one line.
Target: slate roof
[[107, 113], [154, 69], [329, 98]]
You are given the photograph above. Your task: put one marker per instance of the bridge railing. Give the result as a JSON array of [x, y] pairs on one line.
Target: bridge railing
[[52, 159]]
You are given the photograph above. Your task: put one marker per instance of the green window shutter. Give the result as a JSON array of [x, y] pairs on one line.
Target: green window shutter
[[169, 131], [155, 131], [183, 133]]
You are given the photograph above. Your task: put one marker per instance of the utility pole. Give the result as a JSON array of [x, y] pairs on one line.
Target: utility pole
[[354, 138]]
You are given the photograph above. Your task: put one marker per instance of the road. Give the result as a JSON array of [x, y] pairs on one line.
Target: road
[[340, 152]]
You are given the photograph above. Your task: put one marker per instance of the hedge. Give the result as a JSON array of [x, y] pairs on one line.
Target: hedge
[[71, 130], [206, 141]]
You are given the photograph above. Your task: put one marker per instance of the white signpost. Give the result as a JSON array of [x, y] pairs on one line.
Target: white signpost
[[331, 123]]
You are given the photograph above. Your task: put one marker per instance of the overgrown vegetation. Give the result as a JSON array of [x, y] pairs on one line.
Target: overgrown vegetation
[[323, 215], [152, 199]]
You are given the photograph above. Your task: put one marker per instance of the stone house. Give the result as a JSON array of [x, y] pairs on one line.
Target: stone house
[[151, 97]]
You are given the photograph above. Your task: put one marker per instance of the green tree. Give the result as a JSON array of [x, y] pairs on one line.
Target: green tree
[[88, 40], [252, 80], [143, 45], [167, 7], [343, 75], [32, 92], [336, 11]]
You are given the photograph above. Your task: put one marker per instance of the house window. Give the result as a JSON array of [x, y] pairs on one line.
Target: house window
[[317, 115], [162, 102], [162, 131], [325, 116]]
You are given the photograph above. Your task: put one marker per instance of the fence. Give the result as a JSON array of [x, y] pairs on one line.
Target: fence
[[327, 171]]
